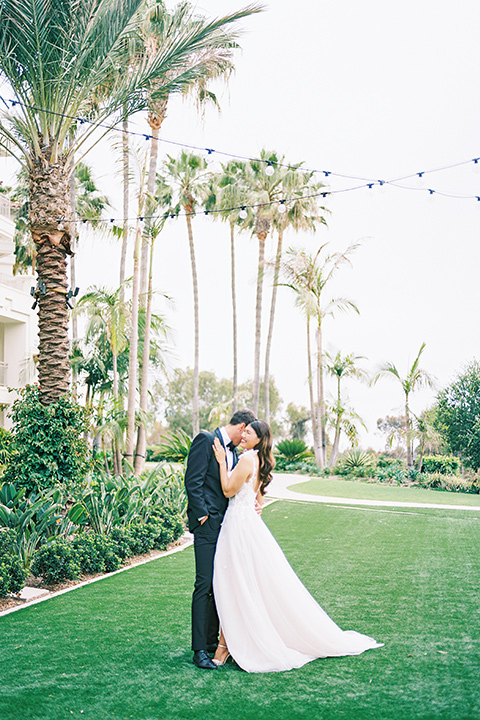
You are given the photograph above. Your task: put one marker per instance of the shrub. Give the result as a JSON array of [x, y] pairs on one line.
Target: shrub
[[95, 553], [48, 448], [56, 561], [451, 483], [385, 461], [12, 575], [444, 464], [175, 446]]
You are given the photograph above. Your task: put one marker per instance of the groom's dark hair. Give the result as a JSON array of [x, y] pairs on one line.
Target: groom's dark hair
[[242, 416]]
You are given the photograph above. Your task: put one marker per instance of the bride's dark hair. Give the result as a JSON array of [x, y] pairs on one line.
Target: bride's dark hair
[[265, 455]]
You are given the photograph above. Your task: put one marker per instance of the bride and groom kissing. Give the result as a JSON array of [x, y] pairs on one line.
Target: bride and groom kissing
[[245, 589]]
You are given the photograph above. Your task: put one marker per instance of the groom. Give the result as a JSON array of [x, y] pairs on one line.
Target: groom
[[206, 508]]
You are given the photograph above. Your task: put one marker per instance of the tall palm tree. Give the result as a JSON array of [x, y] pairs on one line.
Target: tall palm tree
[[302, 213], [187, 177], [227, 194], [415, 379], [340, 367], [308, 275], [53, 63], [262, 180]]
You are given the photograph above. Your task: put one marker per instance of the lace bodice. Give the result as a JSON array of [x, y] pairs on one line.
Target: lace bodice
[[245, 497]]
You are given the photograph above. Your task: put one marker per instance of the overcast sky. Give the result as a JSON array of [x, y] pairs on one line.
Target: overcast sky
[[372, 89]]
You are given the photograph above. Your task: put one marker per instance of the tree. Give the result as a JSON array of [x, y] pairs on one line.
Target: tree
[[308, 276], [186, 176], [301, 213], [341, 367], [415, 379], [458, 415], [54, 61], [297, 419]]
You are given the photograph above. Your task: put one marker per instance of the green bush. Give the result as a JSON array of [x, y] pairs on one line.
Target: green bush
[[48, 447], [6, 443], [444, 464], [307, 466], [12, 575], [451, 483], [95, 553], [385, 461], [56, 561]]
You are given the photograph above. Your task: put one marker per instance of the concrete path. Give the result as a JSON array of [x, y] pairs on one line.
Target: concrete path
[[278, 489]]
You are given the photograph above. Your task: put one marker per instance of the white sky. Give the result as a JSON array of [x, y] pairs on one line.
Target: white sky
[[374, 89]]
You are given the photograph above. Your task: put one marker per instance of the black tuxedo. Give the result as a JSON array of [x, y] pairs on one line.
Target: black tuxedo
[[205, 497]]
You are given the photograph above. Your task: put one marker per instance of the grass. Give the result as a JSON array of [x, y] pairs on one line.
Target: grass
[[119, 648], [336, 487]]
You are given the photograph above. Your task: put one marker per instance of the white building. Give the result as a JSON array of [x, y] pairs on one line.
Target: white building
[[18, 322]]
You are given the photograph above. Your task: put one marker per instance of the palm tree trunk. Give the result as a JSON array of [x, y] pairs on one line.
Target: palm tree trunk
[[196, 413], [140, 454], [132, 357], [338, 430], [49, 200], [258, 321], [126, 185], [321, 398], [234, 318], [313, 412], [276, 273], [73, 279], [408, 429], [116, 441]]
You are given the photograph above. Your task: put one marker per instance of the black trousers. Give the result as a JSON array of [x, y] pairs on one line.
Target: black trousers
[[204, 612]]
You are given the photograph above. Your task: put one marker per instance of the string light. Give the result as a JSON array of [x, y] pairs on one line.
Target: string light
[[209, 154]]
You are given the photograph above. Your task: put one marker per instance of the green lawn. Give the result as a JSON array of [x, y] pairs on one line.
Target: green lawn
[[335, 487], [119, 648]]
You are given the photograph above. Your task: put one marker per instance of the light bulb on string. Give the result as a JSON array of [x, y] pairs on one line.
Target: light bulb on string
[[243, 214], [431, 194], [383, 186], [269, 170], [420, 179], [476, 165], [282, 208], [209, 157]]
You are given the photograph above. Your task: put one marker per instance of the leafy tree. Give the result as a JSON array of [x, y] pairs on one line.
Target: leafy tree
[[458, 415], [297, 418]]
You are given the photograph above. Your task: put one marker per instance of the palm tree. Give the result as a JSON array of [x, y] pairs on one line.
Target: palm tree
[[301, 213], [415, 379], [341, 367], [227, 193], [106, 310], [186, 177], [308, 278], [53, 63]]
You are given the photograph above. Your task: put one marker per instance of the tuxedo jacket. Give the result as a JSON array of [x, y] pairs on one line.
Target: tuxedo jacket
[[202, 483]]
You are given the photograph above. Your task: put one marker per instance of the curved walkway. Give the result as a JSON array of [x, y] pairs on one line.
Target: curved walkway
[[278, 489]]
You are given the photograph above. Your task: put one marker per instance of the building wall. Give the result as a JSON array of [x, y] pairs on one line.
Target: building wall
[[18, 322]]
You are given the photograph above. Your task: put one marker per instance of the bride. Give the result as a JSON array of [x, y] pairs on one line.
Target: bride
[[269, 621]]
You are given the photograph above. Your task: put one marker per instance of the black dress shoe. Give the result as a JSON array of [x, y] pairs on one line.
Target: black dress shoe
[[212, 648], [202, 660]]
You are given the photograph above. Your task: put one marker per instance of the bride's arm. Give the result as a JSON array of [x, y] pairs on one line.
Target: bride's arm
[[231, 482]]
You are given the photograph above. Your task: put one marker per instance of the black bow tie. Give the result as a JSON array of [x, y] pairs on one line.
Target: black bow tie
[[231, 446]]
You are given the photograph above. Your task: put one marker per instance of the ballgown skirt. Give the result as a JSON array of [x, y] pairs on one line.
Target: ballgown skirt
[[269, 619]]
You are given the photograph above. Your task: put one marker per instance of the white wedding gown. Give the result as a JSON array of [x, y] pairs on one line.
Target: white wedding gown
[[269, 619]]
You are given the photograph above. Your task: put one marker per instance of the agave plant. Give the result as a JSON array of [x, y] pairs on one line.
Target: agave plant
[[356, 462], [293, 450]]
